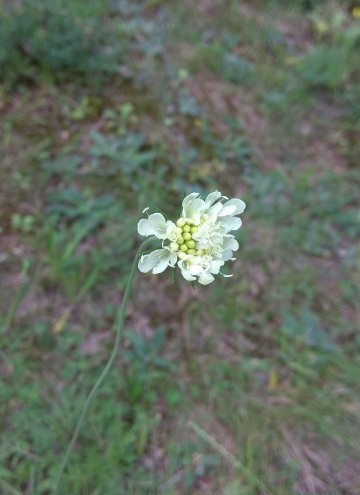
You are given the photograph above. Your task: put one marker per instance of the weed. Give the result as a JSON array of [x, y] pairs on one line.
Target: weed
[[57, 42]]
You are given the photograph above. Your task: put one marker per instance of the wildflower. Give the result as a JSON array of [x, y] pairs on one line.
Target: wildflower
[[200, 242]]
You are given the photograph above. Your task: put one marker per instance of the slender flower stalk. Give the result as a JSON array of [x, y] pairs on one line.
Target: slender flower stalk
[[119, 327], [199, 243]]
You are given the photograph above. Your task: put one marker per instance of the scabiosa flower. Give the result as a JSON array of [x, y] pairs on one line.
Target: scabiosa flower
[[200, 242]]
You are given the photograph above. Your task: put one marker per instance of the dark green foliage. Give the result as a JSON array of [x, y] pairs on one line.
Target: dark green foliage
[[58, 40]]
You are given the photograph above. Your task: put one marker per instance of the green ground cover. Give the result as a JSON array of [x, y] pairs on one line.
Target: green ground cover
[[246, 387]]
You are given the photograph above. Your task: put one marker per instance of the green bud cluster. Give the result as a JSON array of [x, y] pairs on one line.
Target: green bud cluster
[[185, 243]]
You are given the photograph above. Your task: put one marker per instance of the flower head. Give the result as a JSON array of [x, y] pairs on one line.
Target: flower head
[[200, 242]]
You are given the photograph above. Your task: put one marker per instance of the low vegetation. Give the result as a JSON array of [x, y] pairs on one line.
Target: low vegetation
[[249, 386]]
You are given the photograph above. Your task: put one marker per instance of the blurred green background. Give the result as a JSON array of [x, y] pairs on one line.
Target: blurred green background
[[110, 106]]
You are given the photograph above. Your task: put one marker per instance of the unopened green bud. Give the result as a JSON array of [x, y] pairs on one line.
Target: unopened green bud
[[174, 246], [187, 236], [190, 244], [191, 251], [181, 222], [186, 228], [180, 240], [193, 230], [184, 248]]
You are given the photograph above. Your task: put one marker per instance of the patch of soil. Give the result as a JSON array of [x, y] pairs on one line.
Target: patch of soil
[[319, 471]]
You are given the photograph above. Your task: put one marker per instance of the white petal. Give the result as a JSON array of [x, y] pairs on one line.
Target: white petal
[[231, 223], [154, 225], [145, 209], [227, 210], [227, 255], [230, 243], [215, 266], [195, 270], [194, 209], [211, 198], [205, 278], [240, 205], [173, 258], [157, 261], [214, 210], [185, 273], [146, 263], [187, 276], [165, 260], [189, 199]]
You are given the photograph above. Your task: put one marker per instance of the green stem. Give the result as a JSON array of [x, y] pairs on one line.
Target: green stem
[[119, 326], [228, 456]]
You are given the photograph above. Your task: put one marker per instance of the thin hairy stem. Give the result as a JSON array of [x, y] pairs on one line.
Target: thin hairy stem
[[119, 326]]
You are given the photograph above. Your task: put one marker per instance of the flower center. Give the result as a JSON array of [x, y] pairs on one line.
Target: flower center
[[182, 241]]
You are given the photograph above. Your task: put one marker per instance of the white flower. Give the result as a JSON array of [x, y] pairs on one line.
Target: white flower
[[200, 242]]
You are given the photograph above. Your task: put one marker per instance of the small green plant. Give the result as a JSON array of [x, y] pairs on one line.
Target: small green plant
[[72, 219], [324, 67], [58, 41], [351, 126], [23, 223]]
